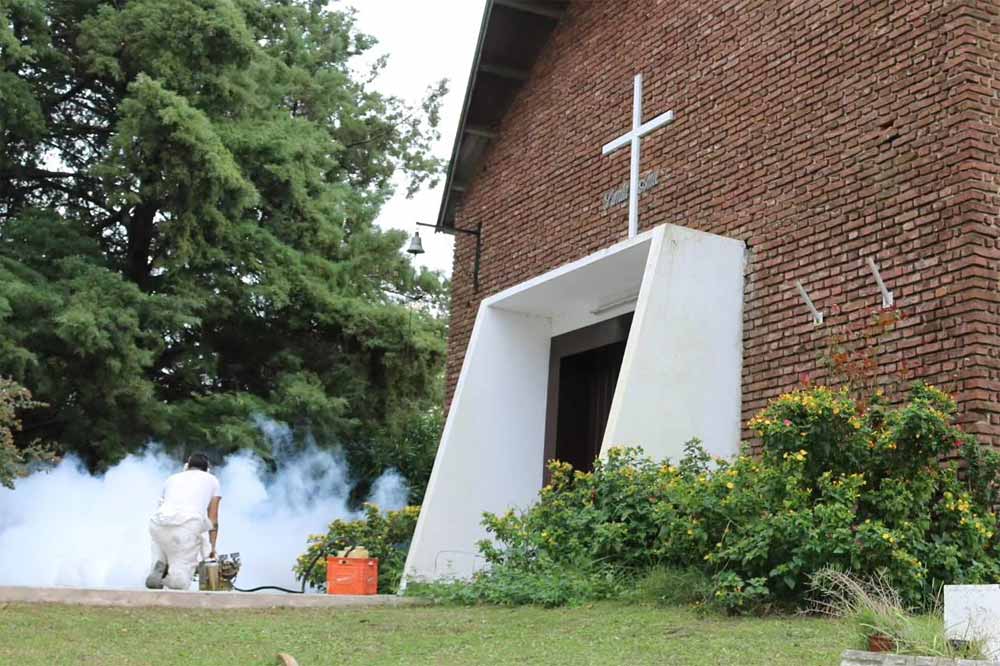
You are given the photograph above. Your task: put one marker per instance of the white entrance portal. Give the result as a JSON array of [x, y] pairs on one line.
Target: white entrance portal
[[680, 378]]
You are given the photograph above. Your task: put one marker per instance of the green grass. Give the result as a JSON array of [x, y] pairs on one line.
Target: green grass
[[605, 633]]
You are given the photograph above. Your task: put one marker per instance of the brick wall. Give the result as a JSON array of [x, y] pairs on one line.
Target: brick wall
[[819, 131]]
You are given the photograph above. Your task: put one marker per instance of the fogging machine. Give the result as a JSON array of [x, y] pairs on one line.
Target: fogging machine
[[218, 575]]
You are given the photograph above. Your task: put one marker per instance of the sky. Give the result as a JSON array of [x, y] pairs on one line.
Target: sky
[[426, 41]]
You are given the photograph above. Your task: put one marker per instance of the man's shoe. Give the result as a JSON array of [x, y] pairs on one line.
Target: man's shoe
[[154, 580]]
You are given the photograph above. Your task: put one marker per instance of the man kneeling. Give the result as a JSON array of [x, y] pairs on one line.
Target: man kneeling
[[189, 507]]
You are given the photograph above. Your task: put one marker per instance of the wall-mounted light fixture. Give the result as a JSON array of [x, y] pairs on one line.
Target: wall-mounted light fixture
[[617, 303], [478, 233]]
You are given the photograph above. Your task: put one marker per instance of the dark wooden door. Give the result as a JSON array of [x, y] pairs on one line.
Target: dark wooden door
[[583, 374]]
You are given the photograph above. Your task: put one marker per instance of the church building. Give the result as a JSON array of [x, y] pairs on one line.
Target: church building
[[664, 210]]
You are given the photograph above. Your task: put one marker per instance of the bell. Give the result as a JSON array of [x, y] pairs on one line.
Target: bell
[[416, 247]]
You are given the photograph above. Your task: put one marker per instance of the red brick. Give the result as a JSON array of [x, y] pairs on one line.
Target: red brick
[[819, 132]]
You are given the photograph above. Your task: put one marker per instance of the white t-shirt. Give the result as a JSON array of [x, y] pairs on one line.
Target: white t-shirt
[[188, 493]]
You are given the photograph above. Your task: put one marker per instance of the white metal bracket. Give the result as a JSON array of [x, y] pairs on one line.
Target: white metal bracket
[[887, 299], [817, 316]]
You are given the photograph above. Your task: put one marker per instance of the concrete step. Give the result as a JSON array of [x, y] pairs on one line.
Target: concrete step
[[195, 599]]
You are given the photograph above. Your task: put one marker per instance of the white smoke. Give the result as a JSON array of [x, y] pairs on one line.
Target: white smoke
[[390, 491], [65, 527]]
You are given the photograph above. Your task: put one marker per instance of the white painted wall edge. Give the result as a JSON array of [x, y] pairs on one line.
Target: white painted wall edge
[[972, 613], [499, 298], [490, 457], [492, 446], [491, 452], [682, 371]]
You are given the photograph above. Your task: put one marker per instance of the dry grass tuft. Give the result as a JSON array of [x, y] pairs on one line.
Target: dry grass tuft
[[875, 608], [841, 594]]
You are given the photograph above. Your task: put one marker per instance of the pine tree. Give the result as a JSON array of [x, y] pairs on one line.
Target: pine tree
[[187, 196]]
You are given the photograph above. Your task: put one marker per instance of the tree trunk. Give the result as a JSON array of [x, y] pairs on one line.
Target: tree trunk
[[141, 231]]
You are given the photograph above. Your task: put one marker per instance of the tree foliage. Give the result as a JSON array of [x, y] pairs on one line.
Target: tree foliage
[[187, 196], [12, 399], [385, 535]]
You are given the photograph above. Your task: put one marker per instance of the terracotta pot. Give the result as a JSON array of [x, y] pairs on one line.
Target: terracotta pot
[[881, 643]]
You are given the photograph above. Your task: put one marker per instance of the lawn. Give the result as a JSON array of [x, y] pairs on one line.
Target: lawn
[[609, 633]]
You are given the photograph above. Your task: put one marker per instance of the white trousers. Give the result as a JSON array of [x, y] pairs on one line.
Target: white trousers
[[178, 541]]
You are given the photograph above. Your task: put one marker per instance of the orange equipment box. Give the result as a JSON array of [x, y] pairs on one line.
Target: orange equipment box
[[351, 575]]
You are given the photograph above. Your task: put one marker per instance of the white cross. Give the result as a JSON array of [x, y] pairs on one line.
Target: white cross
[[633, 138]]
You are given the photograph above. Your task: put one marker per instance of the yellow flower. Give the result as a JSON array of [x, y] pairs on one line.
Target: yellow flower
[[730, 485]]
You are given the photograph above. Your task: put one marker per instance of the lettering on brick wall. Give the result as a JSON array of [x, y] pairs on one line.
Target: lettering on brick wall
[[619, 195]]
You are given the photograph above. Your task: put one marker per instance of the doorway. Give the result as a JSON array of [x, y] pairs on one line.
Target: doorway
[[583, 372]]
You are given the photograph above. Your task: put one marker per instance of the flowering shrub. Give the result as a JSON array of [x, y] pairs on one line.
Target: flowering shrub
[[604, 516], [14, 397], [861, 491], [386, 535]]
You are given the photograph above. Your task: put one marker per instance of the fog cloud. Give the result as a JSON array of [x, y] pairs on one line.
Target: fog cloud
[[65, 527]]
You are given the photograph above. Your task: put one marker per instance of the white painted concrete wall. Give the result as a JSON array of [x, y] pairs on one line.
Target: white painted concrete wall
[[681, 375], [489, 458], [680, 378], [972, 613]]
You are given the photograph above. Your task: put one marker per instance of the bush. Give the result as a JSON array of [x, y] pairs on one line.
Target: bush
[[874, 485], [670, 586], [545, 583], [386, 535], [14, 397], [836, 486]]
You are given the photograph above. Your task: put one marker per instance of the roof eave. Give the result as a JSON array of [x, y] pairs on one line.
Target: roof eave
[[547, 9]]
